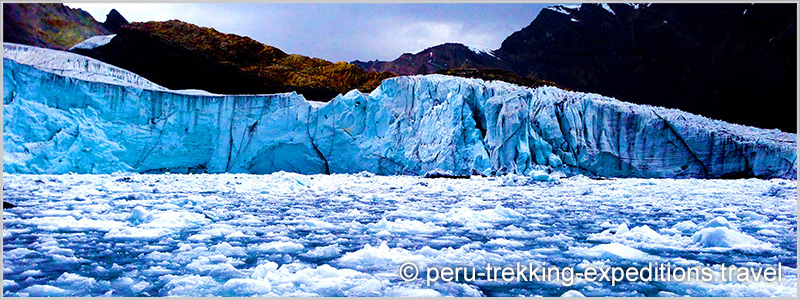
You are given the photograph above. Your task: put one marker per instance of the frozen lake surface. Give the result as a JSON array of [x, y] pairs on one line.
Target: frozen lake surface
[[346, 235]]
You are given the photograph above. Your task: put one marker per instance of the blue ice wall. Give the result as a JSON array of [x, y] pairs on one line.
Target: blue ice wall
[[67, 113]]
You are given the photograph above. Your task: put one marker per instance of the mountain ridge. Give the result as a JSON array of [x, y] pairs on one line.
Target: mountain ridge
[[181, 55], [734, 62], [50, 25], [435, 58]]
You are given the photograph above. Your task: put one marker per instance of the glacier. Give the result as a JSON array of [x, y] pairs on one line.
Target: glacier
[[66, 113]]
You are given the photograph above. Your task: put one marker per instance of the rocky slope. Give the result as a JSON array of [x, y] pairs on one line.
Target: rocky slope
[[66, 113], [735, 62], [115, 20], [50, 25], [180, 55], [430, 60]]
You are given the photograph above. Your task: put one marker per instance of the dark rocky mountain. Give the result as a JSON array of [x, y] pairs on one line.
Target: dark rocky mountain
[[114, 20], [49, 25], [179, 55], [430, 60], [734, 62]]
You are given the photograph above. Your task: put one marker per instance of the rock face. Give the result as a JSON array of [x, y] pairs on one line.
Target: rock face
[[180, 55], [67, 113], [114, 20], [50, 25], [735, 62], [428, 61]]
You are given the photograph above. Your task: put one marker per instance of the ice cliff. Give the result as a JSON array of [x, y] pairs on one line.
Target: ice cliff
[[63, 113]]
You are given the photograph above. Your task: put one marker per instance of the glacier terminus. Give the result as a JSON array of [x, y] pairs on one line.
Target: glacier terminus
[[67, 113]]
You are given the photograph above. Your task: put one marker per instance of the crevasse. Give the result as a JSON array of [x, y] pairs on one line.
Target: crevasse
[[64, 113]]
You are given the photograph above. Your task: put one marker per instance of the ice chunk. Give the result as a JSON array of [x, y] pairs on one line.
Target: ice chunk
[[767, 232], [572, 293], [245, 287], [75, 282], [613, 251], [314, 224], [538, 175], [501, 242], [718, 222], [139, 215], [17, 253], [686, 227], [482, 218], [293, 178], [329, 251], [404, 227], [751, 215], [225, 271], [43, 290], [280, 247], [189, 285], [641, 233], [228, 250], [69, 223], [724, 237], [7, 284], [301, 280], [622, 229], [199, 237], [408, 292], [377, 258], [32, 273]]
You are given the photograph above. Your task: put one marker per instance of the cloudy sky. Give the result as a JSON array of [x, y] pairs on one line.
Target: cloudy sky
[[339, 32]]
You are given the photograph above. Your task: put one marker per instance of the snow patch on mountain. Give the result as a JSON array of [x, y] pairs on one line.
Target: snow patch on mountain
[[608, 8], [94, 42], [482, 50], [564, 9], [639, 5]]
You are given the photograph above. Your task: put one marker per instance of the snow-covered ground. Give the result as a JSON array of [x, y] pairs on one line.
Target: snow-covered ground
[[286, 234]]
